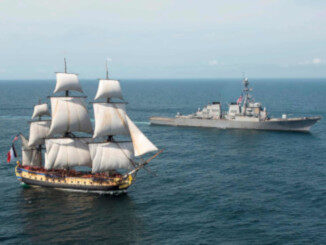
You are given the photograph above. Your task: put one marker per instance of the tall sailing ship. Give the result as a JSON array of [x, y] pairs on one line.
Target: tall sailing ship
[[56, 154]]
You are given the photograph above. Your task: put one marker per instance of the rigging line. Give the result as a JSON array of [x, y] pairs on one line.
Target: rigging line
[[150, 171], [147, 168], [121, 118], [146, 162], [134, 164]]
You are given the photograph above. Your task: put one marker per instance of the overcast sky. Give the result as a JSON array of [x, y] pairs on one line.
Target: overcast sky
[[163, 39]]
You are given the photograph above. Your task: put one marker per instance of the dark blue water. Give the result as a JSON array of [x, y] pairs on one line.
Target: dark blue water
[[212, 186]]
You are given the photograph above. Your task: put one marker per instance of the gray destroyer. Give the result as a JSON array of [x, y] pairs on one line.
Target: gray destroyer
[[244, 114]]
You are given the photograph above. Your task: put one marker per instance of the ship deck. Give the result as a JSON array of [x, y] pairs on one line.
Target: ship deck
[[172, 119]]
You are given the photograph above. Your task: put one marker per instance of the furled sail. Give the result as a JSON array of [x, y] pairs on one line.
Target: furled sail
[[111, 155], [108, 89], [67, 152], [141, 143], [37, 132], [30, 155], [69, 114], [110, 119], [67, 81], [41, 110]]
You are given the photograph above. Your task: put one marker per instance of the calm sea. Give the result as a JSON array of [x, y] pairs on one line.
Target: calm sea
[[212, 186]]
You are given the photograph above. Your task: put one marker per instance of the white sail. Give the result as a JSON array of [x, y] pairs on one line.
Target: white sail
[[67, 152], [45, 159], [111, 155], [67, 81], [41, 110], [30, 156], [108, 89], [37, 132], [24, 141], [141, 143], [110, 119], [69, 114]]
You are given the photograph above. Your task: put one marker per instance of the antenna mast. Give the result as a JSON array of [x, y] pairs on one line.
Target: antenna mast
[[246, 95]]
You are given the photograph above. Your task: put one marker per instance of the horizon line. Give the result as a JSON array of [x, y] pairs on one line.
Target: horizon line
[[198, 78]]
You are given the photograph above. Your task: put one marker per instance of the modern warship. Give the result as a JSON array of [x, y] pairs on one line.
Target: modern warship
[[57, 155], [243, 114]]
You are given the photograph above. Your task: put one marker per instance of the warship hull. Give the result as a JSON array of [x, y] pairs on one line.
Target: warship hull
[[302, 124], [73, 183]]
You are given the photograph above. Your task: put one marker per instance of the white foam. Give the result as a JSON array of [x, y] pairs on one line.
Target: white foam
[[118, 192], [142, 123]]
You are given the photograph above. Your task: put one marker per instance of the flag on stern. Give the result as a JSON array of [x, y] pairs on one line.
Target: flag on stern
[[12, 152]]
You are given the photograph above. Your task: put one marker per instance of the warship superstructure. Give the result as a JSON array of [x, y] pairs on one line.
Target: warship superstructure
[[65, 152], [243, 114]]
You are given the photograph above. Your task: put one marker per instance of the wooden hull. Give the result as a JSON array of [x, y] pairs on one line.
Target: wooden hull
[[103, 185]]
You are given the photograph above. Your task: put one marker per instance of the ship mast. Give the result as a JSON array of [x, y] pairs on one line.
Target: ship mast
[[67, 91], [245, 91], [109, 115], [69, 115], [32, 149], [66, 134], [39, 148], [107, 70], [107, 77], [112, 120], [110, 137]]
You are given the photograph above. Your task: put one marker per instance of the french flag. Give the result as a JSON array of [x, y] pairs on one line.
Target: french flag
[[12, 152]]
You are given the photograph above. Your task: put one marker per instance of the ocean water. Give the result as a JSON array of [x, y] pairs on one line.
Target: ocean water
[[208, 186]]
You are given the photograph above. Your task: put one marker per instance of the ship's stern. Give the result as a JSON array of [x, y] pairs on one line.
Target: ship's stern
[[18, 171]]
